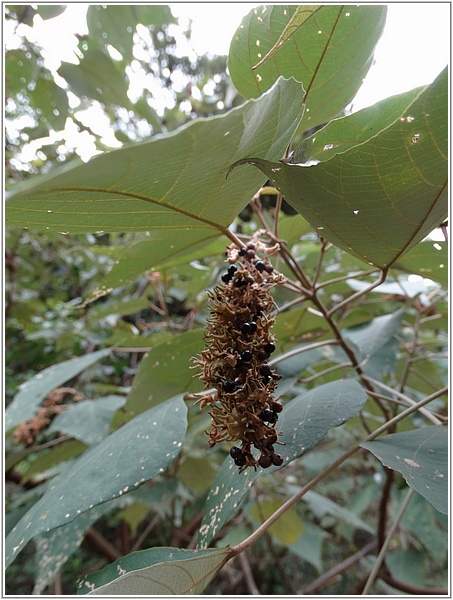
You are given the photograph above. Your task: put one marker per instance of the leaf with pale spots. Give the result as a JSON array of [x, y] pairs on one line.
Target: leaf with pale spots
[[157, 572], [329, 49], [380, 198], [173, 183], [421, 456], [304, 422], [126, 459]]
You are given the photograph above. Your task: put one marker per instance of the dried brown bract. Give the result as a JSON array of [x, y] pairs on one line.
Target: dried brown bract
[[239, 343]]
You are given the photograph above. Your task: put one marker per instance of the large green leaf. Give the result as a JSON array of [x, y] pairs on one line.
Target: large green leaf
[[174, 182], [33, 392], [304, 422], [382, 197], [427, 259], [421, 456], [330, 51], [133, 454], [157, 572]]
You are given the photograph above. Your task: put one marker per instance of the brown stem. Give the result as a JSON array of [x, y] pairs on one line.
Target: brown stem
[[337, 569], [102, 545], [383, 506], [248, 575], [416, 590]]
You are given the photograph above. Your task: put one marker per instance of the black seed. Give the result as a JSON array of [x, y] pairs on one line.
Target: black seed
[[235, 452], [277, 460], [242, 251], [269, 348], [239, 282], [251, 246], [232, 269], [247, 355], [245, 328], [265, 461], [268, 268], [267, 415], [267, 379], [265, 369], [228, 386], [240, 461], [226, 277], [239, 363], [277, 407], [250, 254], [260, 265], [253, 326]]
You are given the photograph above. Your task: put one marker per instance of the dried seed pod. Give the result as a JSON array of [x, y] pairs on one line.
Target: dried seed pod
[[238, 343]]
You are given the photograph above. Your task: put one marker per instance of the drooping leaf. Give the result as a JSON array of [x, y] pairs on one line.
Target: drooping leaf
[[309, 545], [173, 183], [421, 456], [56, 457], [33, 392], [330, 53], [51, 101], [304, 422], [127, 458], [50, 11], [157, 572], [379, 199], [321, 505], [88, 421]]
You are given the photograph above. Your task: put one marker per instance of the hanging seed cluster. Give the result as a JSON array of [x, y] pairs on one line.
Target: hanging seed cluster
[[239, 343]]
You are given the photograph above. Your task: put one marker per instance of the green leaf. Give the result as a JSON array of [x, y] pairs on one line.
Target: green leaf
[[98, 77], [289, 526], [330, 53], [50, 11], [154, 253], [20, 70], [368, 339], [47, 459], [33, 392], [55, 547], [321, 505], [163, 373], [173, 183], [337, 138], [309, 545], [157, 572], [116, 24], [51, 101], [379, 199], [421, 456], [133, 454], [304, 422], [88, 421], [427, 259]]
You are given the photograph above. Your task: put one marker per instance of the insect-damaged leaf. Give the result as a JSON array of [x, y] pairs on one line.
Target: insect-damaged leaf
[[133, 454], [421, 456], [174, 182], [379, 198], [157, 572]]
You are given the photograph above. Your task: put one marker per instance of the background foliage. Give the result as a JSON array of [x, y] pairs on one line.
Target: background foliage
[[110, 488]]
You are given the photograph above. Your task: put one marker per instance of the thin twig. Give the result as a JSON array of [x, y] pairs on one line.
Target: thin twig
[[248, 575], [337, 569], [381, 556], [379, 281]]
